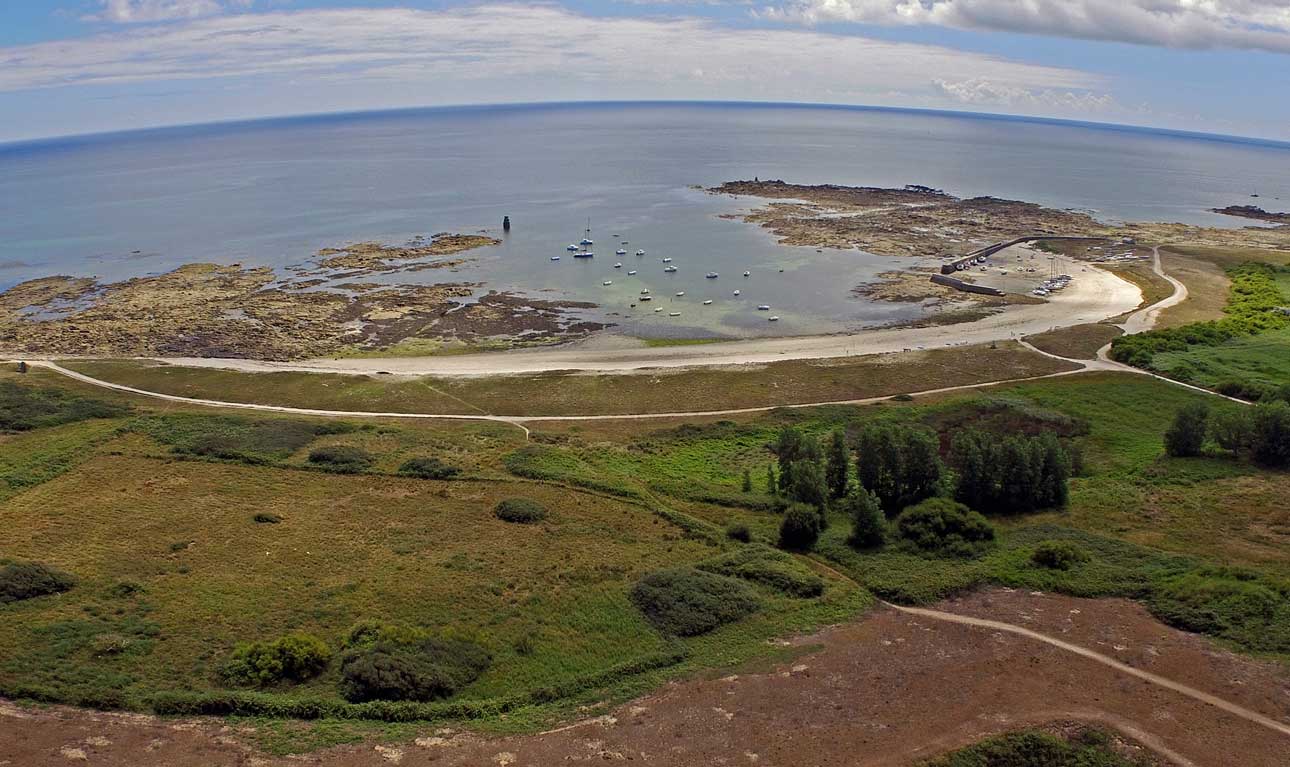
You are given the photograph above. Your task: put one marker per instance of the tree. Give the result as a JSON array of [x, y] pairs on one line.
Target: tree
[[1231, 429], [899, 464], [837, 472], [1010, 475], [1054, 470], [808, 484], [868, 526], [747, 483], [1270, 434], [771, 486], [970, 454], [793, 447], [1186, 436], [800, 528]]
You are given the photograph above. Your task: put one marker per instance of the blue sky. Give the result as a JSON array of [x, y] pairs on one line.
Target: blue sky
[[84, 66]]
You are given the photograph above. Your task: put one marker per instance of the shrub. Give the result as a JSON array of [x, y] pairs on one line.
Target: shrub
[[520, 510], [427, 669], [294, 658], [1233, 604], [1059, 555], [738, 531], [265, 518], [800, 528], [767, 567], [428, 468], [1231, 429], [345, 459], [1186, 436], [941, 526], [1032, 748], [23, 408], [688, 602], [1270, 434], [27, 580]]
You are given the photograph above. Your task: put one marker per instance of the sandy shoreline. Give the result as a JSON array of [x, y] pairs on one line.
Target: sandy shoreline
[[1094, 295]]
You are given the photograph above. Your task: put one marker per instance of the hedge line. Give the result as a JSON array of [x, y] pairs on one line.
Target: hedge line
[[280, 706]]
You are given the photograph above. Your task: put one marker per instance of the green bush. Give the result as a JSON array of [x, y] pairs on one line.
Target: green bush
[[944, 527], [1032, 748], [292, 658], [767, 567], [738, 531], [1185, 437], [800, 528], [688, 602], [345, 459], [1270, 435], [1237, 605], [23, 408], [520, 510], [1059, 555], [428, 468], [27, 580], [427, 669]]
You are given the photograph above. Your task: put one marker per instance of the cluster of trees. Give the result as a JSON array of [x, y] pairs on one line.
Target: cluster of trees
[[899, 467], [1260, 433], [1010, 475]]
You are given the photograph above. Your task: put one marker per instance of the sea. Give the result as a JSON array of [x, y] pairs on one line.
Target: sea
[[273, 192]]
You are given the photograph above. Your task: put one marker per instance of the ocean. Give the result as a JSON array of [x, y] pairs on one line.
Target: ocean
[[273, 192]]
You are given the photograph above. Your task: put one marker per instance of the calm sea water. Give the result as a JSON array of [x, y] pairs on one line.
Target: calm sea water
[[275, 192]]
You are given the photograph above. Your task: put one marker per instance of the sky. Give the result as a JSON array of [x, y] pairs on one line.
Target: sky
[[89, 66]]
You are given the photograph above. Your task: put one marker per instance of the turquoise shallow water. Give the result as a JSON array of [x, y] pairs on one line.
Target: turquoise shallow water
[[274, 192]]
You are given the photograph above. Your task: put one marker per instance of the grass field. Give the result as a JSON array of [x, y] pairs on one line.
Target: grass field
[[1207, 286], [779, 383], [174, 569], [1263, 359]]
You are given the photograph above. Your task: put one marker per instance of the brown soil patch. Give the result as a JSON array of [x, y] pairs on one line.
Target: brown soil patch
[[1077, 342], [1207, 289], [889, 689]]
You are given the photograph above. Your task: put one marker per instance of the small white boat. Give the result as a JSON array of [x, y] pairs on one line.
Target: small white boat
[[631, 272], [640, 252], [773, 318], [658, 309], [674, 314], [711, 275], [645, 292], [624, 242], [607, 282], [586, 241], [620, 252], [680, 293], [669, 269], [571, 248], [647, 298], [736, 293], [747, 274], [555, 258], [764, 308], [667, 260], [705, 303], [618, 265]]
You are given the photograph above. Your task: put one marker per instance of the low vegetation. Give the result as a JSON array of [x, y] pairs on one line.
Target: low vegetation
[[343, 459], [292, 658], [942, 527], [28, 580], [24, 407], [1035, 748], [428, 468], [687, 602], [403, 665], [520, 510], [767, 567]]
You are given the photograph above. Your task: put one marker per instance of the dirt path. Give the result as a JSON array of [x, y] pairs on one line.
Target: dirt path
[[1146, 318], [889, 689]]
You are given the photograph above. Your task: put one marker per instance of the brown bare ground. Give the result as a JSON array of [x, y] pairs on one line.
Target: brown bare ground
[[1207, 287], [889, 689], [1077, 342]]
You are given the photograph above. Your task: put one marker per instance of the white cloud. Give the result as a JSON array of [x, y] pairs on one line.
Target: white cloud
[[135, 11], [1247, 24], [527, 52], [987, 93]]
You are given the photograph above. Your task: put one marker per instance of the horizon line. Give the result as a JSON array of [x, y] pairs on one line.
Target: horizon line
[[319, 116]]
